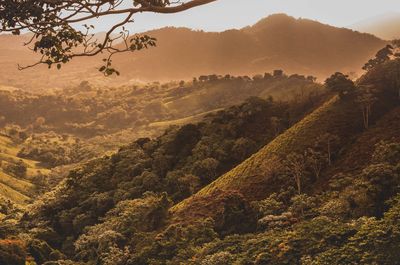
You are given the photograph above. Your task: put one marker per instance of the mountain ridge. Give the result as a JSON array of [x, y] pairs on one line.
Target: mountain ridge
[[299, 46]]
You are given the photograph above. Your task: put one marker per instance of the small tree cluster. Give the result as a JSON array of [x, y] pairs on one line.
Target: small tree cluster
[[299, 165], [341, 84]]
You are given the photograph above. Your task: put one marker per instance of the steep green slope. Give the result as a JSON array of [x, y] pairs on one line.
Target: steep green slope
[[258, 176], [353, 220], [358, 154]]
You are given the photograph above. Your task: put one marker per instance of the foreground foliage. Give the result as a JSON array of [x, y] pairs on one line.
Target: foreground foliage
[[332, 198]]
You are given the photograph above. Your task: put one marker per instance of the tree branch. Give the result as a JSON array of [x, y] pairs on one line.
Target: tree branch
[[56, 38]]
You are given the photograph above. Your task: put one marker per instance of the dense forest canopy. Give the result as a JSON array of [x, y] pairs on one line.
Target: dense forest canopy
[[309, 179]]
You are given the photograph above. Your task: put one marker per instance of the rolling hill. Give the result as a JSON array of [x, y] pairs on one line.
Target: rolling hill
[[277, 42], [89, 111], [257, 177], [13, 187]]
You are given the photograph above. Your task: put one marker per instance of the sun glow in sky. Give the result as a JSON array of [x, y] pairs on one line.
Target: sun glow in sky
[[227, 14]]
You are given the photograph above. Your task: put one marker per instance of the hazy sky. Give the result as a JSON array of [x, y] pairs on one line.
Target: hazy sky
[[225, 14]]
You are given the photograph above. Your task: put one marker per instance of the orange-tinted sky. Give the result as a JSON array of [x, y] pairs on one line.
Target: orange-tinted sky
[[226, 14]]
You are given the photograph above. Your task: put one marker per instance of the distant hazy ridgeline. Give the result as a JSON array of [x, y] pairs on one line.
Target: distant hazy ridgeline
[[277, 42]]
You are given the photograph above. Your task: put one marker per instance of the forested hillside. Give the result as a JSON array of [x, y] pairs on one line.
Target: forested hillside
[[86, 120], [310, 180], [339, 119], [179, 162], [47, 134]]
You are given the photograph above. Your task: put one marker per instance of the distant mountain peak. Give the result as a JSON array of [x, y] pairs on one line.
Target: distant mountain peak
[[274, 19], [279, 41], [277, 16], [284, 20]]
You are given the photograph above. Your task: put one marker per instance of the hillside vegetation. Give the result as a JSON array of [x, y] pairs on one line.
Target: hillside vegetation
[[181, 161], [84, 121], [312, 179], [259, 175]]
